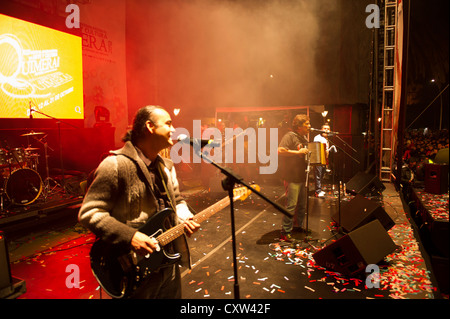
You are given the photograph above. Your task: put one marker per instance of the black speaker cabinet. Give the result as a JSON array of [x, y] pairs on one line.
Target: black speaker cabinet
[[436, 178], [360, 211], [351, 254], [5, 270], [440, 271], [363, 183]]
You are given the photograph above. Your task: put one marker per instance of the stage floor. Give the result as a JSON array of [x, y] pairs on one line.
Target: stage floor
[[47, 258]]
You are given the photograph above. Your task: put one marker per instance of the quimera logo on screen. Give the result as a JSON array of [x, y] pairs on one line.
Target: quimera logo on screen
[[31, 73], [40, 69]]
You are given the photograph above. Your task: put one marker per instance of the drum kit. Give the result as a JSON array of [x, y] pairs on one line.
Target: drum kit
[[20, 182]]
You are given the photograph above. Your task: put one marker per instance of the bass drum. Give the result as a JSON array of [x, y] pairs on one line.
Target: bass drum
[[23, 186]]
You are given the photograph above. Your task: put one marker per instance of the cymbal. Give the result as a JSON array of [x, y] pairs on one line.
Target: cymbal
[[32, 134], [31, 149]]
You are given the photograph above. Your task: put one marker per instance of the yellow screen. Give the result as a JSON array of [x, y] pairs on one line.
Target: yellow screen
[[40, 68]]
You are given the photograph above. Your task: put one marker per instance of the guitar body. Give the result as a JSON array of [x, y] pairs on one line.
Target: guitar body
[[120, 271]]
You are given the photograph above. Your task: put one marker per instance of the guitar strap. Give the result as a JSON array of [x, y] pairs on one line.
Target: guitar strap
[[163, 181]]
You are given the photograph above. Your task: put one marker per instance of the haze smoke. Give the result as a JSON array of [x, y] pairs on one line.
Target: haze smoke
[[206, 54]]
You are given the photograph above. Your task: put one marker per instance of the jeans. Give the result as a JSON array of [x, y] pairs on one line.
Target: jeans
[[295, 205], [319, 173], [162, 284]]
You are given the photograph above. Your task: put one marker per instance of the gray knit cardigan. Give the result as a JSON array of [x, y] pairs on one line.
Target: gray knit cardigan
[[121, 198]]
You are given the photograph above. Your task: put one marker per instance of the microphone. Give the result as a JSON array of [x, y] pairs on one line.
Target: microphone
[[31, 111], [183, 138], [322, 131]]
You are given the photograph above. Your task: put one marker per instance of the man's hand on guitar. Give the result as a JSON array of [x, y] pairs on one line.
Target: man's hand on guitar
[[190, 226], [143, 244]]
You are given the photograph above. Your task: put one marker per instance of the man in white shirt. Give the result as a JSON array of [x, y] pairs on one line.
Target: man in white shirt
[[320, 170]]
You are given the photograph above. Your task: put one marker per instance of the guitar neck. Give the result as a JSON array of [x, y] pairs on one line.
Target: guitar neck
[[211, 210], [175, 232]]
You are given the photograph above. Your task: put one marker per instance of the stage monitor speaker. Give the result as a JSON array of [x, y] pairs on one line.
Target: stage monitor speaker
[[364, 183], [360, 211], [436, 178], [5, 270], [351, 254]]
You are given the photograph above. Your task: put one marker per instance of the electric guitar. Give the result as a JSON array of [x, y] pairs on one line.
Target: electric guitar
[[121, 271]]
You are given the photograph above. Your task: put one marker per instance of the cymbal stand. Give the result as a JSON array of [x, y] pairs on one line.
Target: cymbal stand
[[47, 190], [58, 122]]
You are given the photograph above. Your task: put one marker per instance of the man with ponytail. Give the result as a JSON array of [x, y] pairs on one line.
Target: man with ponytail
[[129, 187]]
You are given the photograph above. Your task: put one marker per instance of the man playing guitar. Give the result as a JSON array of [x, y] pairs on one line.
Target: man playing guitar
[[128, 189]]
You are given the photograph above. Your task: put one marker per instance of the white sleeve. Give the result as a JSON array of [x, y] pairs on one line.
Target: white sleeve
[[183, 212]]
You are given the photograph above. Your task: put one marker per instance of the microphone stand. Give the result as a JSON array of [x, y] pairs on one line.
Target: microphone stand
[[228, 184], [308, 169], [339, 228], [340, 181], [346, 144], [58, 122], [308, 238]]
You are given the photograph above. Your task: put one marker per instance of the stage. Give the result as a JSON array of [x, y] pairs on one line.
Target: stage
[[48, 256]]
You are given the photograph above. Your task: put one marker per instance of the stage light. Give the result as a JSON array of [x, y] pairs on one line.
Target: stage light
[[261, 122]]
